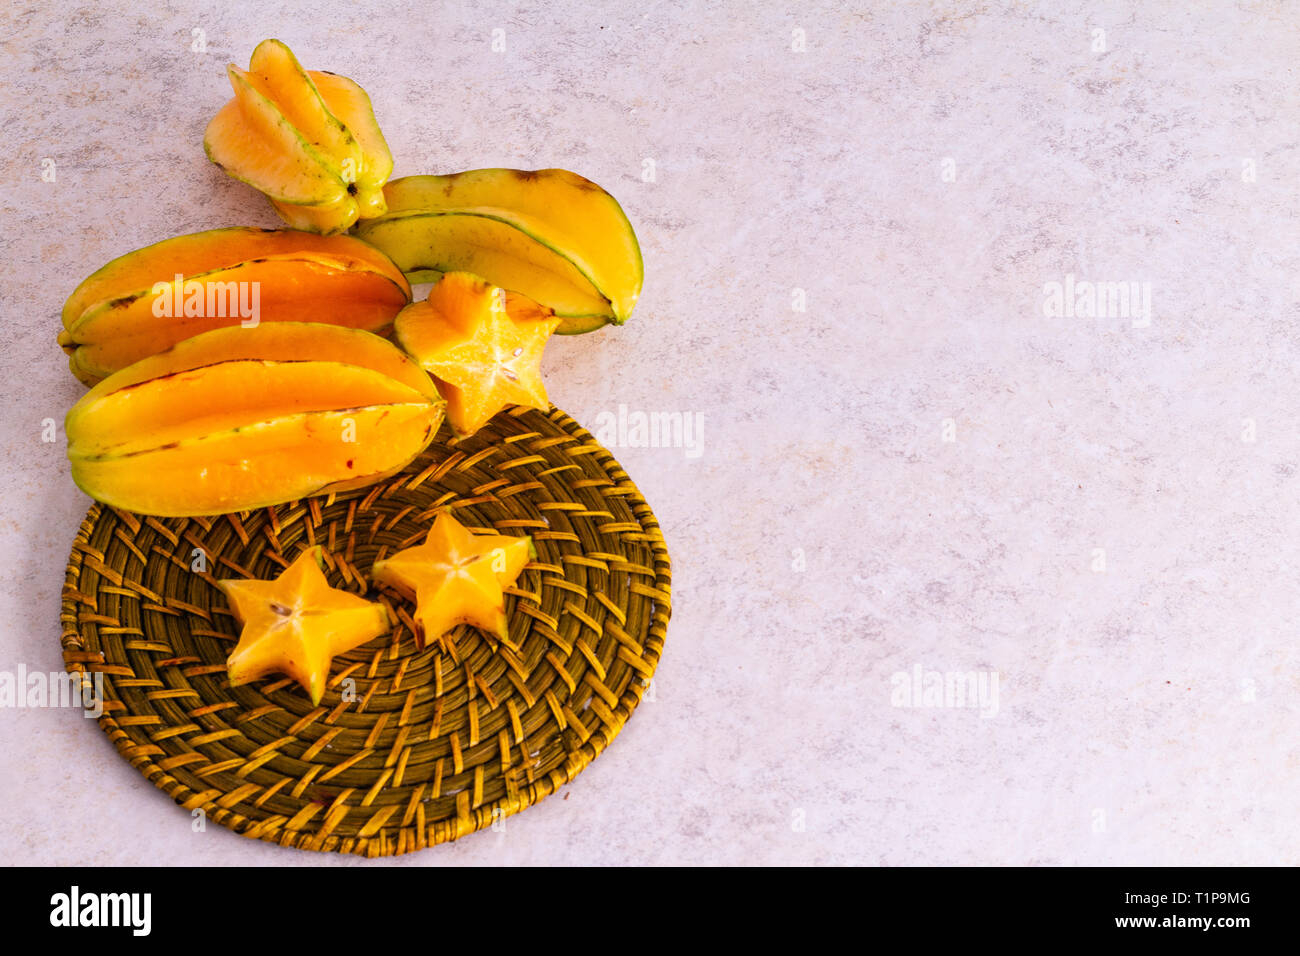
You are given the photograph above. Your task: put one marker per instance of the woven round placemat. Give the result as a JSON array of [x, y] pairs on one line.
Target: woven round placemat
[[408, 748]]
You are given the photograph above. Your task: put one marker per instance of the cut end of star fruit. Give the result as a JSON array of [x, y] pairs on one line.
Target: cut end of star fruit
[[482, 344], [296, 624], [457, 577]]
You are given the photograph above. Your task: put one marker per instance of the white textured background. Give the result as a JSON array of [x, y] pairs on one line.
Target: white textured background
[[1147, 713]]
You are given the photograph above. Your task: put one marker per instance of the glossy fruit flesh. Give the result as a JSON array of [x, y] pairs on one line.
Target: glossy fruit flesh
[[482, 344]]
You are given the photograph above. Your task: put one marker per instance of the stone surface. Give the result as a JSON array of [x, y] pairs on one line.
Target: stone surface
[[920, 470]]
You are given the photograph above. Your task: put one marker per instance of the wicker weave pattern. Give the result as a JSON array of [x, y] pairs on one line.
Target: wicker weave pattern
[[408, 748]]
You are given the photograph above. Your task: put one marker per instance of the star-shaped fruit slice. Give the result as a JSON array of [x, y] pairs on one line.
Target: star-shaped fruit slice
[[297, 623], [482, 344], [457, 577]]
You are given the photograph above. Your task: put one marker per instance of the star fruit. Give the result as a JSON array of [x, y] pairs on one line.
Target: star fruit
[[457, 577], [483, 346], [297, 624]]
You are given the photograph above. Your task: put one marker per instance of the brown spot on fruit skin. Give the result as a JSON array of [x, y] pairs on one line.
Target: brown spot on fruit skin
[[350, 461]]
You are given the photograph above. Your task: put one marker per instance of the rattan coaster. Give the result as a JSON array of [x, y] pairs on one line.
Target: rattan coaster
[[407, 748]]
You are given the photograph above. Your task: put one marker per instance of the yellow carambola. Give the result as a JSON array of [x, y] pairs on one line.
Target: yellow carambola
[[483, 346], [457, 577], [306, 139], [148, 300], [548, 234], [297, 624], [241, 418]]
